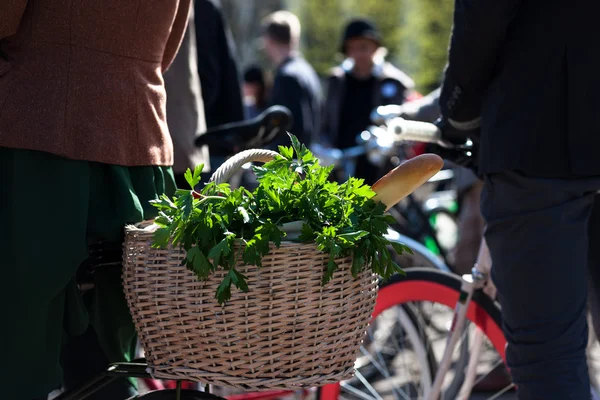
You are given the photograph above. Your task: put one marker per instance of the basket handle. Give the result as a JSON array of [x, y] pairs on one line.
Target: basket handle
[[229, 167]]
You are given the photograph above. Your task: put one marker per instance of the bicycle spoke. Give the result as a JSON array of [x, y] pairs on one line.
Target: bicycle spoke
[[383, 370], [368, 386], [404, 354], [356, 391], [377, 354]]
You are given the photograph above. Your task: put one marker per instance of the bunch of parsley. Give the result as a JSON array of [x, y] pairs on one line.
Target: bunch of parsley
[[342, 219]]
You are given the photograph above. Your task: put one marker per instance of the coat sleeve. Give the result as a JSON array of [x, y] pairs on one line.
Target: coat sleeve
[[479, 31], [11, 12], [425, 109], [177, 32]]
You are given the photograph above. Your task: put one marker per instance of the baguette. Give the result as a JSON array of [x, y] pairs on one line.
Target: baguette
[[405, 178]]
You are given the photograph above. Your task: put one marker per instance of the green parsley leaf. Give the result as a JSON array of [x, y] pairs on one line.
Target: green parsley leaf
[[307, 234], [200, 264], [194, 179], [401, 248], [239, 280], [161, 238], [224, 290], [220, 250]]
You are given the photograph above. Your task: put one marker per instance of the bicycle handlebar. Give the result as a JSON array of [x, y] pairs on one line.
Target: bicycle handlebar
[[416, 131], [395, 131], [381, 114], [256, 132]]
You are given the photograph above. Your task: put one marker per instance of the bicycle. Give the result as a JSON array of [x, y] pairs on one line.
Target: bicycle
[[471, 297]]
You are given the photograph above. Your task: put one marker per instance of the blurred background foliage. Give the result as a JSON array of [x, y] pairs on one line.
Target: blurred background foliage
[[415, 32]]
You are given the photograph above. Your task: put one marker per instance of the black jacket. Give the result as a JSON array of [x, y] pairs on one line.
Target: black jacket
[[529, 68], [392, 87], [217, 67], [297, 87]]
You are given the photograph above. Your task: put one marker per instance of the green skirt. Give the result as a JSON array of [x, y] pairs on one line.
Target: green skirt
[[49, 208]]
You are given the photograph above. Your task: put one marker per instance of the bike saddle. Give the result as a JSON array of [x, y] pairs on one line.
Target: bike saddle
[[257, 132]]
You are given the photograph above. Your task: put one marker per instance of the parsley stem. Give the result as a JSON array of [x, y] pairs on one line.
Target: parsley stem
[[204, 198]]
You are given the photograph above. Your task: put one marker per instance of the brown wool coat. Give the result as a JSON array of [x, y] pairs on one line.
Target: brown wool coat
[[83, 79]]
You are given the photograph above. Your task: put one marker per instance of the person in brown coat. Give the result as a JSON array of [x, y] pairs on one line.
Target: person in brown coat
[[84, 146]]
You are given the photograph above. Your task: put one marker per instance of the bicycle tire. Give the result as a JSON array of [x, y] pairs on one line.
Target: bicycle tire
[[424, 284], [382, 364]]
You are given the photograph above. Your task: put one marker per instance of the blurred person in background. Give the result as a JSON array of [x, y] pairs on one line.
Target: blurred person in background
[[255, 91], [296, 84], [362, 82], [217, 69], [185, 108], [84, 146]]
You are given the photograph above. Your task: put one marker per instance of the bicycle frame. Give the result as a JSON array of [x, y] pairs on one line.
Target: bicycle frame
[[478, 279]]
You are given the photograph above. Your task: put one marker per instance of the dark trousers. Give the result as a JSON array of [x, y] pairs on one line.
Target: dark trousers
[[542, 237], [82, 359]]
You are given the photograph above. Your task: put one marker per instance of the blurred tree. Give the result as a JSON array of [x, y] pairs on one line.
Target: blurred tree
[[244, 18], [425, 36], [321, 27]]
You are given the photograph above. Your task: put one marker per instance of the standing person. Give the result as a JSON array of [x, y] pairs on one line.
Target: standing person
[[217, 69], [255, 91], [217, 65], [185, 108], [522, 72], [364, 81], [84, 146], [296, 84]]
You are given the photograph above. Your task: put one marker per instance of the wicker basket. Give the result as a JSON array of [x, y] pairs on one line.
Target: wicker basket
[[288, 331]]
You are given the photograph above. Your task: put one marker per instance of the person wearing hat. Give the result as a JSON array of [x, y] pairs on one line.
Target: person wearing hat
[[362, 82]]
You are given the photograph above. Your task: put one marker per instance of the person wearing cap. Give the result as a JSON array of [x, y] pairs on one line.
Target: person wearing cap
[[362, 82], [296, 84]]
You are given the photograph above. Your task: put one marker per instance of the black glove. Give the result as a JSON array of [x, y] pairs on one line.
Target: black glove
[[455, 135], [460, 154], [464, 158]]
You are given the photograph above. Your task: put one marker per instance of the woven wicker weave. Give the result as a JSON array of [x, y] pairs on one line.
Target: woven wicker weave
[[288, 331]]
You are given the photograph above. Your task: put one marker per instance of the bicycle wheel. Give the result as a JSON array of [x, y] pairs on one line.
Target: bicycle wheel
[[394, 359], [441, 289]]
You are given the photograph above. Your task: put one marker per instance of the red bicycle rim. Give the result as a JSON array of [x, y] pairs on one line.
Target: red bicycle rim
[[421, 290]]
